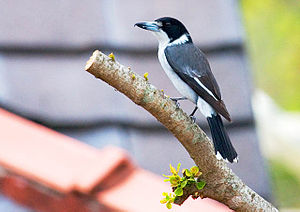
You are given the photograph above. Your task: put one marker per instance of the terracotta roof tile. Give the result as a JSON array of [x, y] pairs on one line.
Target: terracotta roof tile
[[137, 188], [47, 171], [55, 160]]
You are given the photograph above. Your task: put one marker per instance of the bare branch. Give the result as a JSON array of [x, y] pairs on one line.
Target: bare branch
[[221, 183]]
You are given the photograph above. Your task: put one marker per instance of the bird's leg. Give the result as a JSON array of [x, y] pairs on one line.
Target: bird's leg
[[192, 114], [176, 99]]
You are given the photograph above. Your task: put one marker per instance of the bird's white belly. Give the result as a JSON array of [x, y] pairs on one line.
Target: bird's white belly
[[178, 83]]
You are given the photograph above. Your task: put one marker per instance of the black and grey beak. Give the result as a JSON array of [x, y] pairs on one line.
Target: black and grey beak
[[151, 26]]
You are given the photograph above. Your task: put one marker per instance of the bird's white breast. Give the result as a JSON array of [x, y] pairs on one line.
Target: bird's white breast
[[178, 83]]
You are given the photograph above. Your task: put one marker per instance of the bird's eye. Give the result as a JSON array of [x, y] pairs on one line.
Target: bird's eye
[[168, 24]]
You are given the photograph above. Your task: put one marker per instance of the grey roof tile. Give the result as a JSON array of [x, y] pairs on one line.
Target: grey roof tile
[[57, 89], [76, 23], [209, 22], [251, 168], [101, 137], [70, 22]]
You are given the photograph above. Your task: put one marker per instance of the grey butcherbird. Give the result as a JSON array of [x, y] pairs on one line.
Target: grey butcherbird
[[189, 71]]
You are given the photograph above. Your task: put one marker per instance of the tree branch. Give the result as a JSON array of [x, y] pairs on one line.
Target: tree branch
[[221, 183]]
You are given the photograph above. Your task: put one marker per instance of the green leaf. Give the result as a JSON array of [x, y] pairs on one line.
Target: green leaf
[[175, 180], [191, 180], [169, 205], [188, 173], [146, 76], [172, 169], [183, 183], [198, 174], [178, 191], [112, 56], [178, 167], [166, 180], [163, 201], [167, 175], [194, 170], [200, 185], [172, 200]]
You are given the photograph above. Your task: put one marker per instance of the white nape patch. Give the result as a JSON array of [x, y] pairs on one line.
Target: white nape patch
[[236, 160], [183, 39], [205, 108], [205, 88]]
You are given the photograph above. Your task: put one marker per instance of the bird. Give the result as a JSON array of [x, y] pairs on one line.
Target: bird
[[188, 69]]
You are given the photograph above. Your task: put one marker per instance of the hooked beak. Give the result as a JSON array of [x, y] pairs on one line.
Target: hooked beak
[[151, 26]]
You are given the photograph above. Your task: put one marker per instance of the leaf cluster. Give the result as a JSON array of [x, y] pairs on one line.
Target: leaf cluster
[[178, 183]]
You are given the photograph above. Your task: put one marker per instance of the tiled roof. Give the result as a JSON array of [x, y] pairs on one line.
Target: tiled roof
[[77, 23], [63, 92], [47, 171]]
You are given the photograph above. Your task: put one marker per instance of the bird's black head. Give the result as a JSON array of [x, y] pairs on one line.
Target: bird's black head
[[166, 28], [174, 28]]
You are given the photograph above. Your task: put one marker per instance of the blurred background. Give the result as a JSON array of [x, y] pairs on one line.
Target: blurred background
[[253, 48]]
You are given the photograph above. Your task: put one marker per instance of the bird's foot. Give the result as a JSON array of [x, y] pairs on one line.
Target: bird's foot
[[192, 114], [193, 118], [176, 103], [176, 99]]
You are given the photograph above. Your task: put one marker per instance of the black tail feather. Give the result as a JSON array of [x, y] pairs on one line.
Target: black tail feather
[[220, 139]]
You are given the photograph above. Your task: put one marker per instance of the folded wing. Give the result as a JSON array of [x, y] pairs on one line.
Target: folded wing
[[193, 68]]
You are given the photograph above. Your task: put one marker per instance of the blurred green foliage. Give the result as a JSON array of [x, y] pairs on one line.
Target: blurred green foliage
[[285, 185], [273, 31]]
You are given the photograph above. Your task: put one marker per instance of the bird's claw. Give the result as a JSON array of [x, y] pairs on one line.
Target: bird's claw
[[176, 102], [193, 119]]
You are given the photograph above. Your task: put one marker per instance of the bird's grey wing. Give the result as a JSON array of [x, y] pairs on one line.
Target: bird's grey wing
[[193, 68]]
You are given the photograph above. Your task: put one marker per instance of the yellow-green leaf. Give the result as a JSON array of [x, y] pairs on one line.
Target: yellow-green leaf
[[165, 194], [163, 201], [191, 180], [178, 167], [169, 205], [183, 183], [194, 170], [178, 191], [198, 174], [188, 173], [112, 56], [172, 169], [146, 76], [133, 76], [172, 200], [175, 181], [200, 185]]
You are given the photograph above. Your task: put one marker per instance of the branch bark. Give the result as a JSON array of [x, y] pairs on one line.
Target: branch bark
[[221, 183]]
